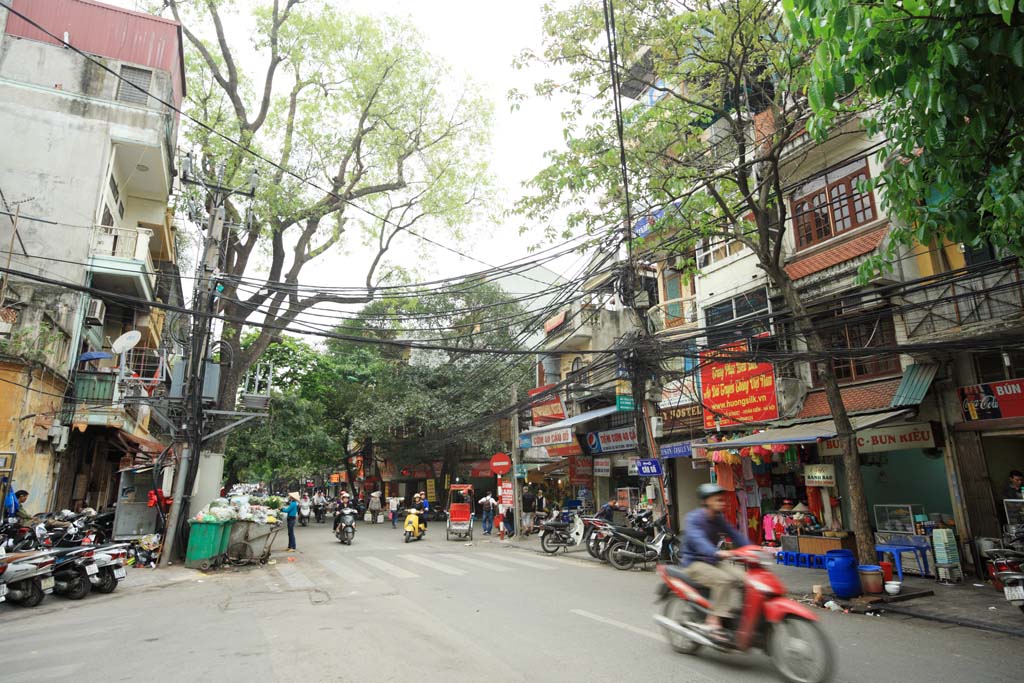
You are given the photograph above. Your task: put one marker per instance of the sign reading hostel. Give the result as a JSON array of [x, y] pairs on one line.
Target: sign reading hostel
[[736, 392]]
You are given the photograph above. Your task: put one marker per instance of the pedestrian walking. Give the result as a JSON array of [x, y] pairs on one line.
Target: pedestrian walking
[[393, 503], [375, 506], [487, 507], [292, 512], [529, 510]]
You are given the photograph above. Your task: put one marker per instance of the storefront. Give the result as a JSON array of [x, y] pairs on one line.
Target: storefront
[[993, 419]]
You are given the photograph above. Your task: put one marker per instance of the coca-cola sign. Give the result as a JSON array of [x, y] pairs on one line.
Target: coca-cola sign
[[992, 401]]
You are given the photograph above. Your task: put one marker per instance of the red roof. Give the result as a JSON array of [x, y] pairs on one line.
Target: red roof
[[802, 266], [856, 398], [106, 31]]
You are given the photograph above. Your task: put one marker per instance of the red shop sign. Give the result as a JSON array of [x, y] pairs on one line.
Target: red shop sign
[[734, 391]]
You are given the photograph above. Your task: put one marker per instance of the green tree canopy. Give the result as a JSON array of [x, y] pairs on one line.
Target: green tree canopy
[[942, 81]]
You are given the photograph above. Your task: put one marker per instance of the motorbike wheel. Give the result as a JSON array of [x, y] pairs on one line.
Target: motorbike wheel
[[78, 588], [408, 536], [35, 594], [800, 651], [594, 547], [548, 544], [681, 612], [617, 559], [108, 583]]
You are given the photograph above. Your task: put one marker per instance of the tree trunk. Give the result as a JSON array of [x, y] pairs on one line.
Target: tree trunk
[[861, 522]]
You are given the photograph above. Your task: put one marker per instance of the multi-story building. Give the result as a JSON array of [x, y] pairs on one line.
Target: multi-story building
[[88, 167]]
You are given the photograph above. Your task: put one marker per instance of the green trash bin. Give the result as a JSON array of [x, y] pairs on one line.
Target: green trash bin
[[225, 537], [205, 541]]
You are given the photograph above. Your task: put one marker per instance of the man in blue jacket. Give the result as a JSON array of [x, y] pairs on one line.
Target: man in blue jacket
[[706, 527]]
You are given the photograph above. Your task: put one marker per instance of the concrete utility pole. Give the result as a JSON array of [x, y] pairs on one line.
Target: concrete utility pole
[[517, 491]]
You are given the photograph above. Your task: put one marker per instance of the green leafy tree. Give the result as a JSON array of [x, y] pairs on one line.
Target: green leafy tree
[[376, 136], [710, 148], [942, 81]]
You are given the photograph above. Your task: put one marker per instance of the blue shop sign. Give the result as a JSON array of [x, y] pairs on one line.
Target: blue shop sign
[[681, 449], [648, 468]]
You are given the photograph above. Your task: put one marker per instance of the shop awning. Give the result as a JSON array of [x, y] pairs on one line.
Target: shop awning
[[917, 379], [809, 432], [569, 422], [141, 443]]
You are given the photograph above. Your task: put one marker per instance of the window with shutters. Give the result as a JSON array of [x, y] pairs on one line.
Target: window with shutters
[[860, 332], [134, 78], [832, 208]]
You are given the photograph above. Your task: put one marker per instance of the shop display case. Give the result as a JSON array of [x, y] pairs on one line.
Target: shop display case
[[1014, 511], [904, 519]]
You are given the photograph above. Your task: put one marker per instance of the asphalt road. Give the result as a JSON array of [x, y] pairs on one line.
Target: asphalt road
[[434, 610]]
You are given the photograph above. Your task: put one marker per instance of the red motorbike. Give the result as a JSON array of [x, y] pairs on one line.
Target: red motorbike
[[787, 630]]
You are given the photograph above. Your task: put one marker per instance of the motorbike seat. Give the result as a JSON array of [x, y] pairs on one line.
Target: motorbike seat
[[556, 525], [639, 534], [679, 573]]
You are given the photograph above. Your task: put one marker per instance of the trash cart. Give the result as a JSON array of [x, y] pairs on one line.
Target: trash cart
[[251, 542], [207, 542]]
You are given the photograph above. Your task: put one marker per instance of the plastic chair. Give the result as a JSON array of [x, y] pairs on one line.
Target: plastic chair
[[803, 560], [790, 558], [819, 561], [897, 550], [780, 557]]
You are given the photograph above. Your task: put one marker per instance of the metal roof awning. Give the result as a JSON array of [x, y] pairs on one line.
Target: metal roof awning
[[809, 432], [569, 422], [917, 379]]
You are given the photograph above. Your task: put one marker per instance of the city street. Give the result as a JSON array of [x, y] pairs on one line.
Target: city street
[[434, 610]]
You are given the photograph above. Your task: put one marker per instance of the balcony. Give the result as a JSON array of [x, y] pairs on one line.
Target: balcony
[[572, 328], [104, 397], [974, 301], [120, 261], [674, 314]]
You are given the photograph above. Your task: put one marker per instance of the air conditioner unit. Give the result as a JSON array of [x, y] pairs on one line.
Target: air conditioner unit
[[657, 427], [96, 312], [59, 437]]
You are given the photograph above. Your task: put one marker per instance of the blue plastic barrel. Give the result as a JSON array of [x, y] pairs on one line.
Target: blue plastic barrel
[[842, 573]]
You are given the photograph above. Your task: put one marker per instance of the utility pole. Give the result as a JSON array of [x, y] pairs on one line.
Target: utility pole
[[517, 493], [204, 301]]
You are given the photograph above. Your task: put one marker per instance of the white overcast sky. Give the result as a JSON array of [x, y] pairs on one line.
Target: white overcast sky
[[478, 39]]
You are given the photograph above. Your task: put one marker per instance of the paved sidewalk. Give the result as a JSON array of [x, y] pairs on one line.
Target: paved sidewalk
[[971, 604]]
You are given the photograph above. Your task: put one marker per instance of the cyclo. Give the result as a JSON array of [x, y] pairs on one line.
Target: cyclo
[[460, 512]]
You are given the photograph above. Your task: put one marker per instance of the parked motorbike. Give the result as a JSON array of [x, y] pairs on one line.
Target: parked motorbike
[[787, 630], [304, 512], [414, 527], [640, 523], [73, 571], [599, 532], [26, 577], [1001, 561], [556, 534], [345, 524], [110, 560], [638, 545]]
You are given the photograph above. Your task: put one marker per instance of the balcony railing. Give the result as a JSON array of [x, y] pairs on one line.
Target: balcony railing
[[673, 314], [95, 387], [992, 294], [131, 244]]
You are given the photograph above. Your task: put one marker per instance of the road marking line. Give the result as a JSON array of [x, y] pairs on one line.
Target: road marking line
[[388, 568], [516, 560], [294, 577], [489, 566], [344, 570], [617, 624], [433, 565]]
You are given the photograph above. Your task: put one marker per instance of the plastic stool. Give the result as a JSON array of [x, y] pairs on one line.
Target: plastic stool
[[803, 560], [790, 558], [780, 557], [819, 561]]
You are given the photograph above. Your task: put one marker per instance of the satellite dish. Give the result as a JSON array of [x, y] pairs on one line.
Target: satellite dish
[[126, 342]]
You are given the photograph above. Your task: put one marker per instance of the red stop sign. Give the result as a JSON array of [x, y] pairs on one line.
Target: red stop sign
[[501, 463]]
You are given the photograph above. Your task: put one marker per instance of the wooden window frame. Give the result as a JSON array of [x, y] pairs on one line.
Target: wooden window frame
[[833, 209], [859, 368]]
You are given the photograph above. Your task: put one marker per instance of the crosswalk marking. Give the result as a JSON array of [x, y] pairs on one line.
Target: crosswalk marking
[[344, 570], [294, 577], [489, 566], [515, 560], [433, 565], [388, 568]]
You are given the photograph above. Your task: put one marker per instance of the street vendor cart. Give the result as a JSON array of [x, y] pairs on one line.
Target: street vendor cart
[[460, 512]]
